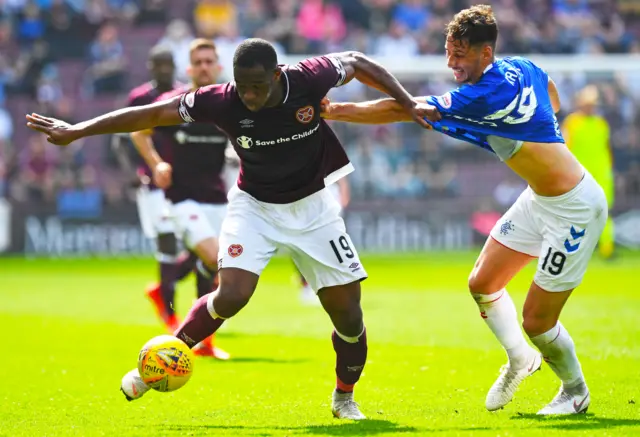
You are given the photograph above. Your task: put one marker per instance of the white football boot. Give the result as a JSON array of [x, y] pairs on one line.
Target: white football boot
[[344, 407], [575, 400], [132, 386], [502, 391]]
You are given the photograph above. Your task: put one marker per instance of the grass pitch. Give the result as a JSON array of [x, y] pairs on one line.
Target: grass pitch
[[72, 328]]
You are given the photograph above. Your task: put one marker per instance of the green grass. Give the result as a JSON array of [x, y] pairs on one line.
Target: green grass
[[71, 329]]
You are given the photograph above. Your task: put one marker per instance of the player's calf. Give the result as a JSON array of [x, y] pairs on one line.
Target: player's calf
[[349, 339]]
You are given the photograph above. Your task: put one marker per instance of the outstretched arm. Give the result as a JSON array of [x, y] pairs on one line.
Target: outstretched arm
[[377, 112], [132, 119], [369, 72]]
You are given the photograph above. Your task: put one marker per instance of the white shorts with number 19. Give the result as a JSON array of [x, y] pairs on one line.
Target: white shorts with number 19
[[561, 232], [310, 229]]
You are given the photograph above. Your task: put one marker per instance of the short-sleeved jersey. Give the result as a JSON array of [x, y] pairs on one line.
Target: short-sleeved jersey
[[511, 100], [143, 95], [196, 152], [287, 152]]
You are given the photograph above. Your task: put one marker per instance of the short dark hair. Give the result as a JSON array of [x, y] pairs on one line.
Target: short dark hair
[[160, 52], [255, 51], [476, 25]]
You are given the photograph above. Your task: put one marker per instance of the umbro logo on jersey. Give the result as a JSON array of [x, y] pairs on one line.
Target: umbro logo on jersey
[[246, 123]]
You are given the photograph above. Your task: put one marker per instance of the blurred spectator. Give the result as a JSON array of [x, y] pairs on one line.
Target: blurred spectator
[[62, 32], [6, 127], [178, 37], [397, 43], [213, 16], [320, 21], [29, 68], [152, 12], [31, 25], [253, 17], [413, 14], [49, 89], [282, 27], [107, 70]]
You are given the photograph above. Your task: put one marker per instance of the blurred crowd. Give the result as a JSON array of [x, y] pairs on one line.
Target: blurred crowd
[[40, 37]]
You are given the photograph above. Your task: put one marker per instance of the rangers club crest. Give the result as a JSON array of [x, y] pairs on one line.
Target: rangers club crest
[[235, 250], [305, 115]]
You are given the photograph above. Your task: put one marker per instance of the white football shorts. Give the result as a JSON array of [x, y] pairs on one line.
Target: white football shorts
[[562, 232], [195, 222], [154, 212], [310, 229]]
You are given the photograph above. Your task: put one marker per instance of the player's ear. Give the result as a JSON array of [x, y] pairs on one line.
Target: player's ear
[[487, 52], [189, 70], [277, 73]]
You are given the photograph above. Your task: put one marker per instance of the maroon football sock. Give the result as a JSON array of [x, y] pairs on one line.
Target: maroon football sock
[[198, 324], [185, 264], [168, 285], [350, 360], [204, 283]]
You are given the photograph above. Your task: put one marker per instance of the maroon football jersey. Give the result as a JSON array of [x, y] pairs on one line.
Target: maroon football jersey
[[196, 152], [287, 152]]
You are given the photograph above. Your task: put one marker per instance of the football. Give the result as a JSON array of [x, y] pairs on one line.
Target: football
[[165, 363]]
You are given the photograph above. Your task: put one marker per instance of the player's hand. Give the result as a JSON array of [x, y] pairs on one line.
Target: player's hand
[[424, 110], [325, 108], [58, 132], [162, 175]]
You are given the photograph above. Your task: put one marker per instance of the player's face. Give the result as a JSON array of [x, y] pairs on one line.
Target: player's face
[[255, 85], [467, 62], [163, 71], [204, 69]]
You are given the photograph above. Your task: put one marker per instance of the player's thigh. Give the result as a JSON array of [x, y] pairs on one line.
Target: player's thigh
[[514, 241], [572, 229], [342, 304], [326, 256]]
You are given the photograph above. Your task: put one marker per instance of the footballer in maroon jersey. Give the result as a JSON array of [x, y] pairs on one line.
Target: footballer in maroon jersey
[[190, 172], [271, 113], [150, 199]]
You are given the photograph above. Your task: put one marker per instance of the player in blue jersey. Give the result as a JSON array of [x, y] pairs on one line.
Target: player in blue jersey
[[508, 107]]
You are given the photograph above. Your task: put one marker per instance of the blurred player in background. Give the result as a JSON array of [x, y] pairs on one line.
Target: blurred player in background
[[152, 205], [341, 192], [288, 157], [587, 136], [508, 106], [192, 182]]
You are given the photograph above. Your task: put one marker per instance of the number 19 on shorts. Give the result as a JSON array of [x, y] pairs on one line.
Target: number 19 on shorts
[[342, 248]]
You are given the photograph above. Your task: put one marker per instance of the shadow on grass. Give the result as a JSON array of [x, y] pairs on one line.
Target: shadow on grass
[[264, 360], [578, 421], [363, 428]]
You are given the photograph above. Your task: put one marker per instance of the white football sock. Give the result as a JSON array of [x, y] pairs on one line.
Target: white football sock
[[559, 352], [499, 312]]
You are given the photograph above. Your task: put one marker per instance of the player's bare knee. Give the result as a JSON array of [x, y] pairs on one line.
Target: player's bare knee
[[480, 283], [207, 251], [342, 304]]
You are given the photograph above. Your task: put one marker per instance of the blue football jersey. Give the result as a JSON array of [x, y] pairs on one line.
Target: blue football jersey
[[511, 100]]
